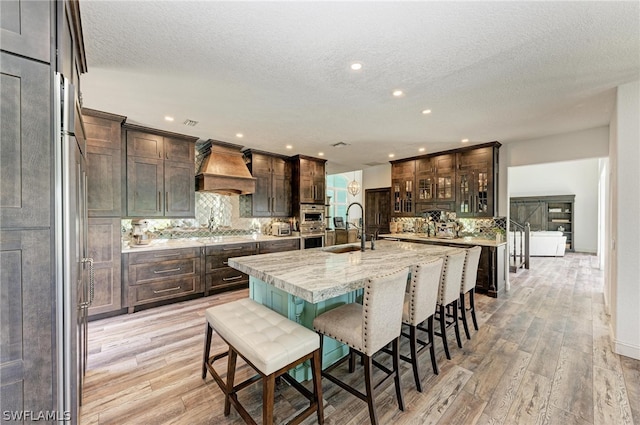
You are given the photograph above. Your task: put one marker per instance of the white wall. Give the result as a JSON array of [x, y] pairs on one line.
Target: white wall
[[590, 143], [579, 178], [375, 177], [624, 273]]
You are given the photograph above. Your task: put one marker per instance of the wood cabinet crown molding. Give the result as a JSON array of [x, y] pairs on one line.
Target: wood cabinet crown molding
[[105, 115], [457, 150], [164, 133]]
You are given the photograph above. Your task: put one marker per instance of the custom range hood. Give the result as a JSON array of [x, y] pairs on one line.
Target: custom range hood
[[223, 170]]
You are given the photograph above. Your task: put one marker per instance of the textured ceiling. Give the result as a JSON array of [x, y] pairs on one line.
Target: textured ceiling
[[278, 72]]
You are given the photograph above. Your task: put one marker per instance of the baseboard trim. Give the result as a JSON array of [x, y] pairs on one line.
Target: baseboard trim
[[626, 350]]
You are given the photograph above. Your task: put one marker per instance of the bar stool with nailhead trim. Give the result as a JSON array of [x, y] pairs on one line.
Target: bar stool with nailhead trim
[[366, 329], [449, 294], [469, 276]]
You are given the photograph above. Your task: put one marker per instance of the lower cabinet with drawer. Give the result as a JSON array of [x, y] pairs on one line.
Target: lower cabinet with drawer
[[218, 275], [278, 246], [153, 276]]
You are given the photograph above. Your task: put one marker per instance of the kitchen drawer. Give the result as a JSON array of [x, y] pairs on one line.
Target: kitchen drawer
[[224, 278], [162, 290], [217, 256], [232, 250], [278, 246], [162, 255], [139, 273]]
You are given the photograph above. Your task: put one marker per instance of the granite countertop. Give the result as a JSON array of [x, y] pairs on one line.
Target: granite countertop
[[160, 244], [316, 274], [422, 237]]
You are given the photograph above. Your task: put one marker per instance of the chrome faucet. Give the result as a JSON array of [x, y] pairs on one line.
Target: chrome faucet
[[362, 235]]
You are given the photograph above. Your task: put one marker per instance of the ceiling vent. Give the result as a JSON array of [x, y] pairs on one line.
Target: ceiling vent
[[340, 145], [190, 123], [373, 164]]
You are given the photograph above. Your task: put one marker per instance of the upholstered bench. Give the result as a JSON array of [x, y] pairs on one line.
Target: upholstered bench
[[271, 344]]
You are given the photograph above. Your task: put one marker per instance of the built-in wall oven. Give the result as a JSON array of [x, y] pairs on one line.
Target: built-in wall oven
[[311, 226]]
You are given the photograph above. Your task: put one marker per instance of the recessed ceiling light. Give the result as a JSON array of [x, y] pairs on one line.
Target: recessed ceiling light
[[320, 153], [356, 66], [421, 150], [289, 147], [465, 140], [168, 118], [239, 135], [397, 93], [426, 111], [391, 155]]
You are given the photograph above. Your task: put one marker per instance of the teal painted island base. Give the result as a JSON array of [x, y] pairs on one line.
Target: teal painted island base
[[303, 312]]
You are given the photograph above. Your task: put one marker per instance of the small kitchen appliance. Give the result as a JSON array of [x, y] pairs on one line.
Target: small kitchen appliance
[[139, 233], [280, 229]]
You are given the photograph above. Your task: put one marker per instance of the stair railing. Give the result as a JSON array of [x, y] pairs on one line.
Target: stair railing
[[520, 250]]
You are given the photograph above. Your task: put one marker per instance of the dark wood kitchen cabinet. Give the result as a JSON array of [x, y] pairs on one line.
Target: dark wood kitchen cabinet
[[403, 188], [463, 180], [477, 182], [104, 248], [160, 173], [161, 275], [308, 180], [26, 148], [37, 40], [272, 197], [218, 275], [435, 181], [377, 203], [104, 163], [267, 247], [25, 28]]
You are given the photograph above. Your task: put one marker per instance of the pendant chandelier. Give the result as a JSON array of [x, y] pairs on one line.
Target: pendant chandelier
[[354, 187]]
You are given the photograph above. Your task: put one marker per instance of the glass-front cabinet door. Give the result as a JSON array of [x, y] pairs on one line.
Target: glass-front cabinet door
[[482, 181], [402, 197], [425, 189], [465, 204], [445, 187]]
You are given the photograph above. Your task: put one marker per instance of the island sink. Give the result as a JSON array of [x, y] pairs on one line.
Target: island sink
[[342, 249]]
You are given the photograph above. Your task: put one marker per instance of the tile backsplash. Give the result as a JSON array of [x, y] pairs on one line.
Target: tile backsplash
[[216, 214], [485, 228]]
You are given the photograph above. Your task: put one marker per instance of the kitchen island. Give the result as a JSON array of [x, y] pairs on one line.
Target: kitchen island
[[492, 269], [301, 285]]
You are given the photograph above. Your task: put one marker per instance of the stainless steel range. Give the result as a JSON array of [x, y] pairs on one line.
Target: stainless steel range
[[311, 226]]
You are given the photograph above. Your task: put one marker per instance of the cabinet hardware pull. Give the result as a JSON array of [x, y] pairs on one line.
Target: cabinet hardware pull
[[232, 249], [91, 282], [226, 279], [159, 200], [165, 255], [166, 201], [165, 290], [225, 262], [167, 271]]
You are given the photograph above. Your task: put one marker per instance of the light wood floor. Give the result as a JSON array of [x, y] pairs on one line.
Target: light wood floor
[[542, 356]]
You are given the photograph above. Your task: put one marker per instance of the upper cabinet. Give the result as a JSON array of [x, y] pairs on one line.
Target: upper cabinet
[[477, 182], [272, 197], [160, 173], [461, 180], [308, 180], [402, 188], [104, 163], [435, 181], [25, 28]]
